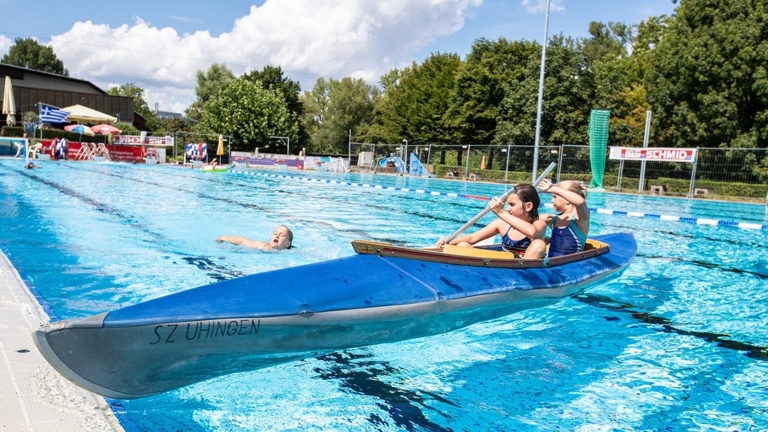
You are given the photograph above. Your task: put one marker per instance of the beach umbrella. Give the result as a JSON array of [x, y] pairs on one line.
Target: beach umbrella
[[220, 149], [81, 129], [105, 129], [9, 105]]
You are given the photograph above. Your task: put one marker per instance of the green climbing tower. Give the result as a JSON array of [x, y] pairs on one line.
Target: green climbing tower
[[598, 145]]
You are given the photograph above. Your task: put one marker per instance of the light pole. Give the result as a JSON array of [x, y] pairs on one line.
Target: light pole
[[286, 140], [541, 96]]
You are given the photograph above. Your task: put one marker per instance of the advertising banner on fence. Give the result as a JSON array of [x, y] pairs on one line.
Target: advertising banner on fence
[[165, 141], [659, 154]]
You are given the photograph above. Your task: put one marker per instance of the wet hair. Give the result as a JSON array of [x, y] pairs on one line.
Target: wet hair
[[289, 234], [573, 186], [527, 193]]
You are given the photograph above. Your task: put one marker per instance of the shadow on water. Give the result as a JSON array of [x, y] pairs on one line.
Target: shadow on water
[[214, 271], [665, 325], [360, 376]]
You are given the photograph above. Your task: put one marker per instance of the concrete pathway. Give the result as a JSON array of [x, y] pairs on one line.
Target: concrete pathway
[[33, 396]]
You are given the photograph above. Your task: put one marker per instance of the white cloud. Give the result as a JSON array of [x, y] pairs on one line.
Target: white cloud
[[540, 6], [307, 38], [5, 45]]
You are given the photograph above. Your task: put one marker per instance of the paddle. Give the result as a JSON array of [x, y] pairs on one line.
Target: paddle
[[502, 198]]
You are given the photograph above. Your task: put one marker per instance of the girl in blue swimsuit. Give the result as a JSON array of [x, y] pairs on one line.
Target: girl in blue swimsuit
[[571, 226], [518, 226]]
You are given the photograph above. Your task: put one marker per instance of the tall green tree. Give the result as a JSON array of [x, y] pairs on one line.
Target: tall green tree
[[272, 78], [250, 114], [334, 108], [140, 104], [610, 53], [569, 92], [209, 83], [30, 54], [480, 87], [416, 105], [709, 82]]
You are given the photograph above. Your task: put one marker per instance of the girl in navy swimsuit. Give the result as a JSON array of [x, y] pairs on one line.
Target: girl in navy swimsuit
[[521, 224], [571, 226]]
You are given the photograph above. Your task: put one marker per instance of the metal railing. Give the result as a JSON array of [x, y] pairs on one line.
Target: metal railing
[[716, 173]]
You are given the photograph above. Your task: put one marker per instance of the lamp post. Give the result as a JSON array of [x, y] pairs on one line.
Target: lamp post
[[286, 140], [541, 96]]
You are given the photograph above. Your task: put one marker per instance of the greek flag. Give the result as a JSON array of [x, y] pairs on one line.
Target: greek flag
[[51, 114]]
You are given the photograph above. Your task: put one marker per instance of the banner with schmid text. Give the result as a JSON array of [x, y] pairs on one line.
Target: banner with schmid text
[[658, 154]]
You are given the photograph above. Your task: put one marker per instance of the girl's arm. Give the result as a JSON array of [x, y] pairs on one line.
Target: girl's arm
[[524, 227], [486, 232], [577, 200]]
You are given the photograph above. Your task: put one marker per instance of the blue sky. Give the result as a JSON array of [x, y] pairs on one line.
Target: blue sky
[[160, 45]]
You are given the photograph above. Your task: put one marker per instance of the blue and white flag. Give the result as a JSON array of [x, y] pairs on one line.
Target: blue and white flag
[[51, 114]]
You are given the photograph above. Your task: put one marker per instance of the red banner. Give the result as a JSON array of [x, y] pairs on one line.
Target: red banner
[[658, 154]]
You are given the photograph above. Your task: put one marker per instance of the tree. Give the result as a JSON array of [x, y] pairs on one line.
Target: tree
[[709, 82], [30, 54], [612, 54], [272, 78], [249, 114], [569, 89], [480, 85], [209, 83], [417, 100], [139, 103], [335, 107]]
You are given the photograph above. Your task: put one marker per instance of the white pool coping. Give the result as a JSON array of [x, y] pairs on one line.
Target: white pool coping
[[33, 396]]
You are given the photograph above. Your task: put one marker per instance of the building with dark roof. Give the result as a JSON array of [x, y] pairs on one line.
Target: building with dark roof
[[32, 86]]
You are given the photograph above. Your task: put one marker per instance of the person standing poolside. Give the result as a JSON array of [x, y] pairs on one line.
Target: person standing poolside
[[282, 238], [519, 226], [571, 226]]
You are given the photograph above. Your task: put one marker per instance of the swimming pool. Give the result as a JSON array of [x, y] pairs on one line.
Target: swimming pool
[[678, 342]]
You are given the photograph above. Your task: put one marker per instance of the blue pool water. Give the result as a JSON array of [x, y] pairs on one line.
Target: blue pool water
[[676, 343]]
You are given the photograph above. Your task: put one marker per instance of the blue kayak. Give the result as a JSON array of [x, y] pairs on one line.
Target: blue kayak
[[384, 293]]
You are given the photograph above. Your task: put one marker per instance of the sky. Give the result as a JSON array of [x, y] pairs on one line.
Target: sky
[[160, 45]]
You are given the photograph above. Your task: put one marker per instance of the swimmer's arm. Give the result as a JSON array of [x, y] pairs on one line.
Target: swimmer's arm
[[243, 241]]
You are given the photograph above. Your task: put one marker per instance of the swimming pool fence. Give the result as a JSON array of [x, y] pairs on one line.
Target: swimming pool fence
[[715, 173]]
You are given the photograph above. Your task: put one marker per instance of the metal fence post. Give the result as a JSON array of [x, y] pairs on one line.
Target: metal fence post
[[506, 167], [693, 173], [646, 138]]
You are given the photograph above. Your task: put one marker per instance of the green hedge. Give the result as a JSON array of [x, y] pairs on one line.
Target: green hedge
[[628, 184], [718, 189]]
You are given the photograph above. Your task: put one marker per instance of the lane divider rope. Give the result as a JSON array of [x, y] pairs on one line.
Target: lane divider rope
[[684, 219]]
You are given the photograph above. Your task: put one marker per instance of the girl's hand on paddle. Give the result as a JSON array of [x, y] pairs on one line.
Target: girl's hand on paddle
[[496, 205], [440, 244]]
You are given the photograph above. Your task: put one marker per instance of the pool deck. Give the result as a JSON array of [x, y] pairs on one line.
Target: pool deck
[[33, 396]]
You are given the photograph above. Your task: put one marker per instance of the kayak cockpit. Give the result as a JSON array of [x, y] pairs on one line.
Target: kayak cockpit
[[484, 256]]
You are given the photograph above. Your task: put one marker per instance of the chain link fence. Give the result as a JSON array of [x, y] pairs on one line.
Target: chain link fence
[[719, 173]]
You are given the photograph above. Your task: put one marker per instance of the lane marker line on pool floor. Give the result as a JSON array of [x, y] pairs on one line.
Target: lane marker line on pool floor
[[684, 219]]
